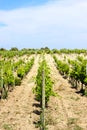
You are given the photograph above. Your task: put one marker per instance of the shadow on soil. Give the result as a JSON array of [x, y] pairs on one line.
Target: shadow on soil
[[80, 91], [37, 105], [37, 111]]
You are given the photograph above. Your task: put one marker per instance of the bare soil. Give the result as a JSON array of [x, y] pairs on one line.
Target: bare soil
[[68, 110], [18, 111]]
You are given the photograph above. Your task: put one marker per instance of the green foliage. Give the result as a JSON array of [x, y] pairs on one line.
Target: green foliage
[[24, 69], [21, 71], [20, 62], [7, 127], [17, 81], [85, 80], [14, 49], [62, 66], [9, 78], [85, 92], [12, 73], [48, 82], [80, 58], [79, 71], [5, 94], [75, 71]]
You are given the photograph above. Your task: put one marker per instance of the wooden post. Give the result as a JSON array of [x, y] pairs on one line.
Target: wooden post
[[43, 100]]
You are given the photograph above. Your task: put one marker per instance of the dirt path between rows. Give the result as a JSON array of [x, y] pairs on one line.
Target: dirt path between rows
[[68, 111], [17, 112]]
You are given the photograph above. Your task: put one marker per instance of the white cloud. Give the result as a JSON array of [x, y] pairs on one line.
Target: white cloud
[[50, 23]]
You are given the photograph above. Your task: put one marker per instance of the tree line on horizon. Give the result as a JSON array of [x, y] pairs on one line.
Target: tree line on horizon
[[47, 50]]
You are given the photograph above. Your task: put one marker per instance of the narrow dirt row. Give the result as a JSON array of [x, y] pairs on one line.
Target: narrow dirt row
[[17, 112], [68, 110]]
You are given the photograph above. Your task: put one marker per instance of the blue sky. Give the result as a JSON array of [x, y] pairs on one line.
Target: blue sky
[[39, 23], [13, 4]]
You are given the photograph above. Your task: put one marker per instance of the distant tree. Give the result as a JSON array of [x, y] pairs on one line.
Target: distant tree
[[24, 49], [14, 49], [46, 50], [2, 49], [56, 51]]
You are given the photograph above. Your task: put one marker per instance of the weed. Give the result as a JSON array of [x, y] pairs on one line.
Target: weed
[[75, 98], [85, 92], [71, 121], [7, 127], [77, 128]]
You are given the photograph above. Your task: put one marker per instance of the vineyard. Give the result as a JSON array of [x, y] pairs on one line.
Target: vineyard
[[43, 89]]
